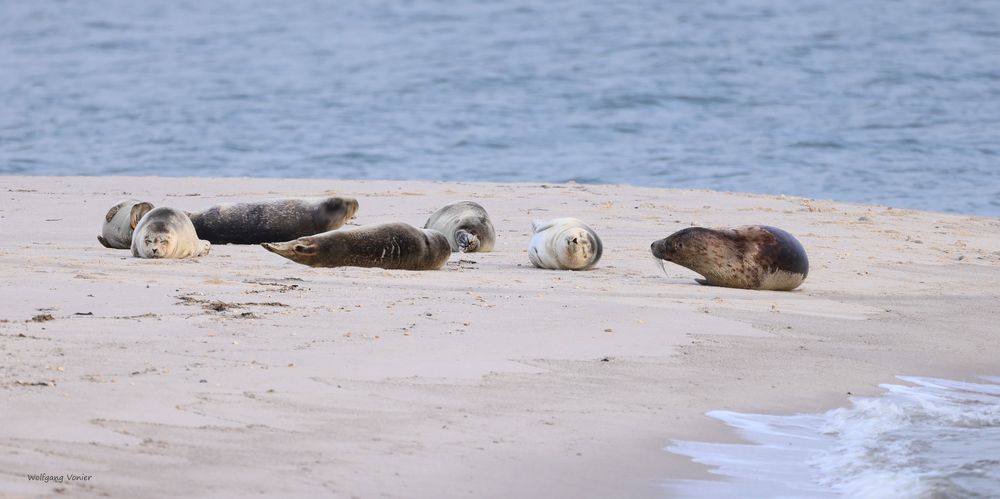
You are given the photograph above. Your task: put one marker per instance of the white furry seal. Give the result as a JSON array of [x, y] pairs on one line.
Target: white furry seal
[[120, 221], [564, 244], [167, 233], [466, 225]]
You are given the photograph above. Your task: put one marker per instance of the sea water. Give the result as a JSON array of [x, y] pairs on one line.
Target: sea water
[[931, 438], [891, 102]]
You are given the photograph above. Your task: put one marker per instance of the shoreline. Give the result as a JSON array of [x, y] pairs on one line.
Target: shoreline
[[483, 379], [528, 183]]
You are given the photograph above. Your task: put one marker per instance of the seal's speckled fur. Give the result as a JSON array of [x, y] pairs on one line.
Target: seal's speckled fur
[[389, 246], [750, 257]]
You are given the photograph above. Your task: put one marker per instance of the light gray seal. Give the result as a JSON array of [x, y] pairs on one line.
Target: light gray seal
[[466, 225], [167, 233], [389, 246], [271, 221], [564, 244], [120, 221], [750, 257]]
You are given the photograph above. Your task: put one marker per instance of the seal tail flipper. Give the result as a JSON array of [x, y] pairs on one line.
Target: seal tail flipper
[[467, 241], [104, 242]]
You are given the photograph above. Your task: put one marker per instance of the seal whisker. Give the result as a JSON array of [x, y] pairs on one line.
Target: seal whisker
[[663, 268]]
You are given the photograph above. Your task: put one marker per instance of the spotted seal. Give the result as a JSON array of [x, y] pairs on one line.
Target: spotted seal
[[389, 246], [466, 225], [564, 244], [120, 221], [750, 257], [167, 233], [271, 221]]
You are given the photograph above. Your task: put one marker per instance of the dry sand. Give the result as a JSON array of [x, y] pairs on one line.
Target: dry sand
[[242, 373]]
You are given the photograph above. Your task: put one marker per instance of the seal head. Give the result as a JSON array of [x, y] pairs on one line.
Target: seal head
[[158, 240], [750, 257]]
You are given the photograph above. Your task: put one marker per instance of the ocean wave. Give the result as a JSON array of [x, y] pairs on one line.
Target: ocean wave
[[931, 438]]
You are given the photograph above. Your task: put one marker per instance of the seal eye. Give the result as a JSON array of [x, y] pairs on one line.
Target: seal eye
[[304, 250]]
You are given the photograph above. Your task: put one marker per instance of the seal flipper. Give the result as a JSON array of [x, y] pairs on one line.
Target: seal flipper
[[704, 282], [539, 225], [112, 212], [104, 242]]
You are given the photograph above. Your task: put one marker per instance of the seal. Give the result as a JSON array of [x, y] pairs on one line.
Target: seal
[[750, 257], [270, 221], [388, 246], [466, 225], [167, 233], [121, 221], [564, 244]]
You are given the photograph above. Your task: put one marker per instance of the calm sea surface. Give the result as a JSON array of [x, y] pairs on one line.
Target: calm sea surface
[[894, 102]]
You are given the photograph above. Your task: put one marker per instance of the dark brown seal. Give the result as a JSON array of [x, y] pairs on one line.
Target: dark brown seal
[[270, 221], [389, 246], [751, 257]]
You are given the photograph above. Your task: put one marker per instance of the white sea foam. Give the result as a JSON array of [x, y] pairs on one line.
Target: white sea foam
[[932, 438]]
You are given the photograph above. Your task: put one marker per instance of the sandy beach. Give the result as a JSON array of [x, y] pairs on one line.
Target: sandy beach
[[242, 373]]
